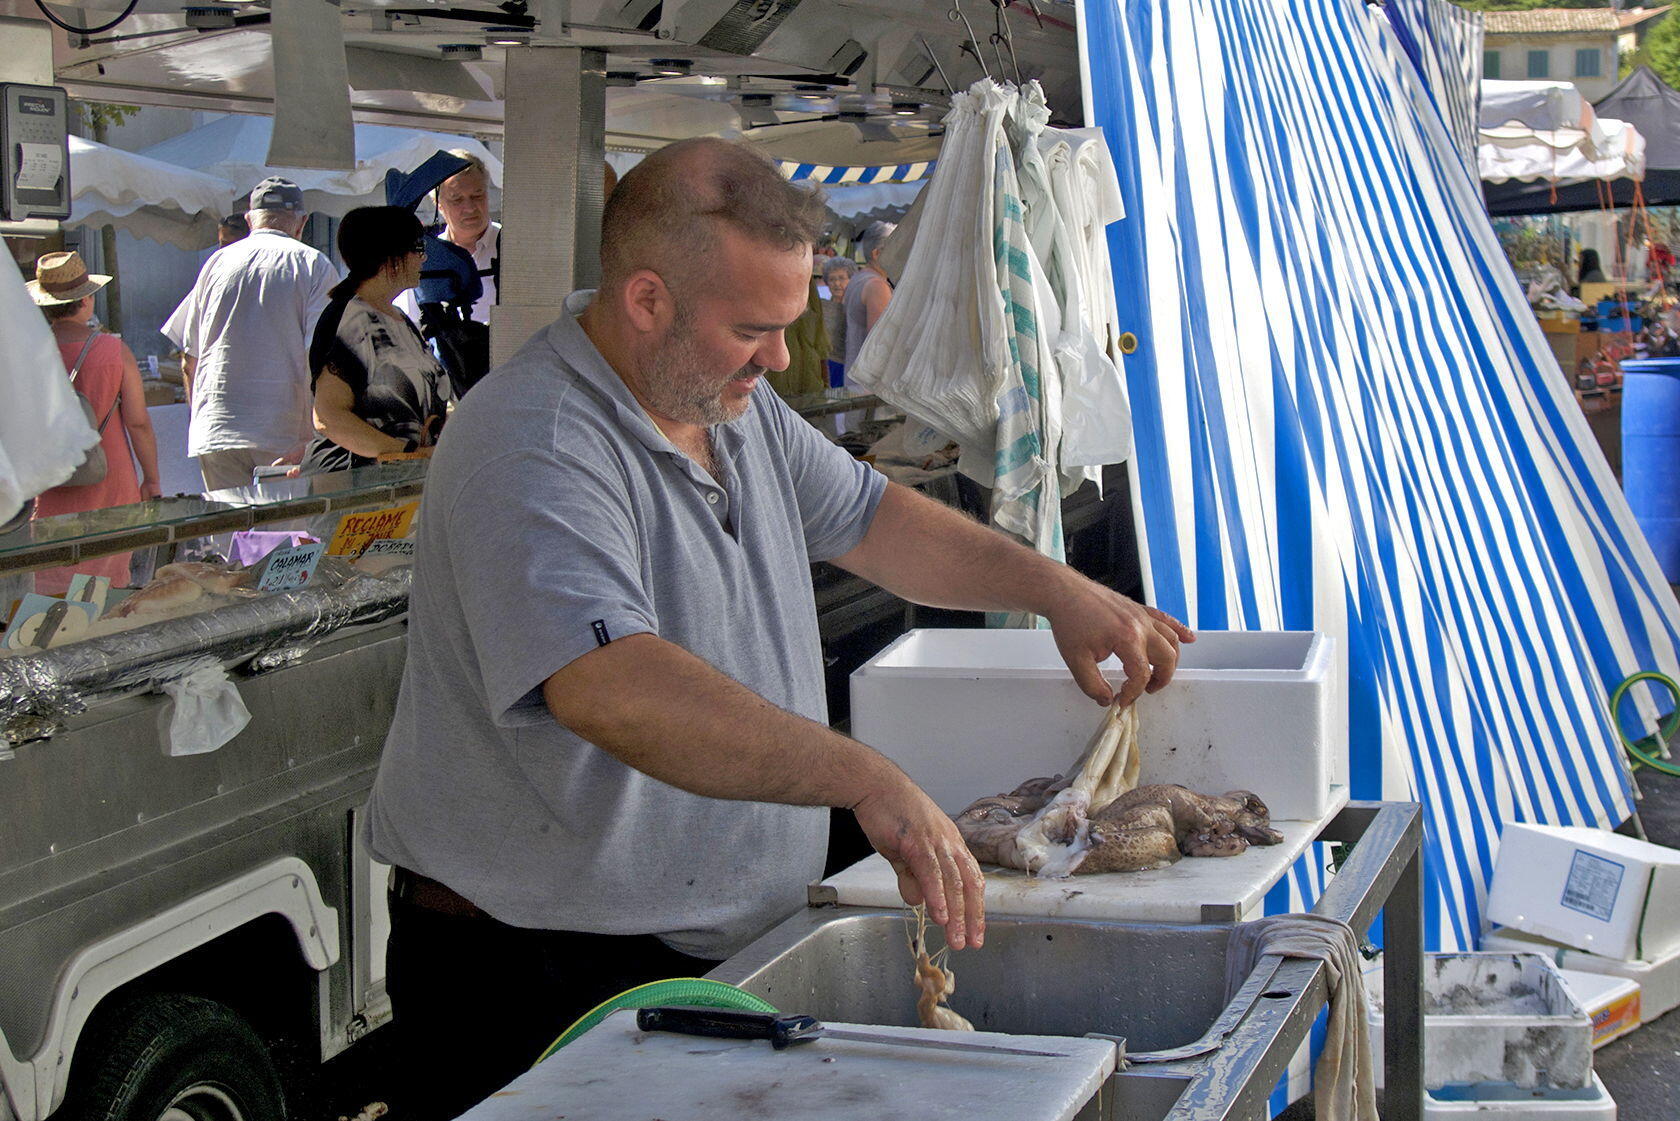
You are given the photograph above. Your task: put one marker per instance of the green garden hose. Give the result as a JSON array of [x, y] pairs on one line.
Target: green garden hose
[[1664, 734], [675, 990]]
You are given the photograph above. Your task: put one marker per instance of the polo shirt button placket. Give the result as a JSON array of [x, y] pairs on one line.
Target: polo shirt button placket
[[712, 497]]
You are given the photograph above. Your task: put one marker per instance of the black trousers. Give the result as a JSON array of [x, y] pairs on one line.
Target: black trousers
[[475, 1001]]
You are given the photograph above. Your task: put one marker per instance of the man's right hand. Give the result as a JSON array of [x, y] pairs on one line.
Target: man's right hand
[[933, 863]]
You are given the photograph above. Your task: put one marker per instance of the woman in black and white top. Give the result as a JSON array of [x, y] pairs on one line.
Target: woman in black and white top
[[378, 388]]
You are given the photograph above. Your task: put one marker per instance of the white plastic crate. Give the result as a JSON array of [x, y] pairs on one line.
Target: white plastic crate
[[968, 713], [1495, 1018], [1499, 1102], [1659, 981]]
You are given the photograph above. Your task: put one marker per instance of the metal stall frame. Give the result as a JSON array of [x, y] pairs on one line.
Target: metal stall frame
[[1229, 1073], [1275, 1008]]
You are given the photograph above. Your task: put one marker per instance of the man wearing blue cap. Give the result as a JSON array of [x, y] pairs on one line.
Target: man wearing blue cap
[[245, 329]]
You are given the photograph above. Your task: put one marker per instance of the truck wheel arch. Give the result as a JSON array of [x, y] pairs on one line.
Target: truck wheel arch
[[286, 887]]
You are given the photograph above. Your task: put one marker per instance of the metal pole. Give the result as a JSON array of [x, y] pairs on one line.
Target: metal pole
[[1403, 995], [554, 148]]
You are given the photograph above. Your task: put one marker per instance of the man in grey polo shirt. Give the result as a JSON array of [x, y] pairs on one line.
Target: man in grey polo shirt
[[610, 760]]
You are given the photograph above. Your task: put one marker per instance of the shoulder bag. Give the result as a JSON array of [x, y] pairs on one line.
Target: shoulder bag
[[93, 467]]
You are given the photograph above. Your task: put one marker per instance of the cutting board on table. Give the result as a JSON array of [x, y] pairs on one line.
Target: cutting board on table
[[1232, 887], [618, 1073]]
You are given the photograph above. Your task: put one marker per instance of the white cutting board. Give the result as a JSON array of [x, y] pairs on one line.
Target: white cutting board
[[618, 1073], [1176, 894]]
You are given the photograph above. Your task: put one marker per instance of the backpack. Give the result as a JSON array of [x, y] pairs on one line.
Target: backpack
[[93, 467]]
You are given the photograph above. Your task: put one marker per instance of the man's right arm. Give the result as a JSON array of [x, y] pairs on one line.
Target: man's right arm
[[189, 366], [671, 715]]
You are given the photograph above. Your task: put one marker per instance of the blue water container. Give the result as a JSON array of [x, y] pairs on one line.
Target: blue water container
[[1651, 454]]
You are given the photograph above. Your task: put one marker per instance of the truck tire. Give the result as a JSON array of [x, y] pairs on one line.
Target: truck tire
[[172, 1057]]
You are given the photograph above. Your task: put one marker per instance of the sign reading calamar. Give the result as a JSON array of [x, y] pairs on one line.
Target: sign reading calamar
[[289, 566], [355, 531]]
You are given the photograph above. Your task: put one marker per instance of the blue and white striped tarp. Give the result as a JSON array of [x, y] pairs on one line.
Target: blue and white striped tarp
[[879, 173], [1348, 420], [1444, 42]]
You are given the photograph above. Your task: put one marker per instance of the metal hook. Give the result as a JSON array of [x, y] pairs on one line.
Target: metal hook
[[1003, 68], [1001, 32], [972, 46]]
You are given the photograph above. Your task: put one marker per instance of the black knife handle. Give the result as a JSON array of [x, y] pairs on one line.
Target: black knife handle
[[729, 1023]]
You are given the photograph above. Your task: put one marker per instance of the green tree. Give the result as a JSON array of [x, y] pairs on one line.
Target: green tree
[[1661, 50], [99, 117], [1528, 5]]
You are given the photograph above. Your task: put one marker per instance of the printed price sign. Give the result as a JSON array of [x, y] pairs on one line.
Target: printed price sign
[[290, 566], [385, 554], [356, 531]]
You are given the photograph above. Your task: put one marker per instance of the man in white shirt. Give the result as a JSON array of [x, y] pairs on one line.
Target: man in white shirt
[[463, 202], [245, 330]]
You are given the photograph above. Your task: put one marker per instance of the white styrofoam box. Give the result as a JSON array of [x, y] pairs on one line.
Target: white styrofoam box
[[969, 713], [1659, 981], [1511, 1103], [1612, 1002], [1494, 1017], [1615, 896]]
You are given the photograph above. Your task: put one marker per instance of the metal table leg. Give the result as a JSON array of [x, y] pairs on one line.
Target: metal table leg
[[1403, 995]]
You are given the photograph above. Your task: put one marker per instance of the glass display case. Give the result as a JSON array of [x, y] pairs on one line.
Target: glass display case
[[121, 600]]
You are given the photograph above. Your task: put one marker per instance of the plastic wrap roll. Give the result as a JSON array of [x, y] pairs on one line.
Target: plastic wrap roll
[[36, 690]]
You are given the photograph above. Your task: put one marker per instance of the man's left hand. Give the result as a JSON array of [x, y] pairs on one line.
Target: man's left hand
[[1092, 622]]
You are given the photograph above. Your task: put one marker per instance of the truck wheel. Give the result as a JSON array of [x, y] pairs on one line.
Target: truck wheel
[[172, 1057]]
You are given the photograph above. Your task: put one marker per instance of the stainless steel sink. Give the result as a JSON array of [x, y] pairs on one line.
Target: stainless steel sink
[[1156, 986]]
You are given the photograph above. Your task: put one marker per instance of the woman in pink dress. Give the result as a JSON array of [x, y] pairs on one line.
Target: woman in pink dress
[[109, 378]]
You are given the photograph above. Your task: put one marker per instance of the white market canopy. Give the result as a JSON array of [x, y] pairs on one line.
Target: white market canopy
[[1547, 131], [1540, 105], [1610, 150], [236, 148], [148, 198]]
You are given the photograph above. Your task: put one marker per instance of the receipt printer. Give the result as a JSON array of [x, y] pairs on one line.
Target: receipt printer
[[35, 147]]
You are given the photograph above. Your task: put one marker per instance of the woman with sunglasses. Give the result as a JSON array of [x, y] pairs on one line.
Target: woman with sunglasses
[[378, 388]]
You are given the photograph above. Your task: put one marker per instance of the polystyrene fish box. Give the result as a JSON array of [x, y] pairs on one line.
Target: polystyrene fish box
[[1495, 1018], [1588, 888], [1500, 1101], [1612, 1002], [968, 713], [1659, 981]]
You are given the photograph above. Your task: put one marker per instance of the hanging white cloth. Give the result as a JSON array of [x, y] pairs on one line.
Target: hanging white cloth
[[939, 352], [43, 432], [1097, 423], [1002, 332], [1026, 488]]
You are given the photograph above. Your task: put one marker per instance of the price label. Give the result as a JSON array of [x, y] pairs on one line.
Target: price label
[[290, 566], [357, 531]]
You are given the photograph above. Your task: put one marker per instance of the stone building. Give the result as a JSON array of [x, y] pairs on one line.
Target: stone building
[[1579, 45]]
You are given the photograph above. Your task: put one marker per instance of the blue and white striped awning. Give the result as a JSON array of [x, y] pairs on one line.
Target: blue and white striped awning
[[880, 173], [1444, 42], [1348, 420]]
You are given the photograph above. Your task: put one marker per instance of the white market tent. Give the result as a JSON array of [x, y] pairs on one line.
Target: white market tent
[[1548, 131], [1542, 105], [147, 197], [236, 149], [1608, 150]]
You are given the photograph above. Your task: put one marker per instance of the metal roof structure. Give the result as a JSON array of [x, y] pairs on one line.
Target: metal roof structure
[[881, 67]]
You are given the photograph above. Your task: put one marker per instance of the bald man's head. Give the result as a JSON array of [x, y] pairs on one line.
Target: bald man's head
[[668, 211]]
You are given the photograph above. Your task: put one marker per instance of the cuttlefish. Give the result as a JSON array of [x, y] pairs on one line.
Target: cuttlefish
[[1099, 820], [1149, 827]]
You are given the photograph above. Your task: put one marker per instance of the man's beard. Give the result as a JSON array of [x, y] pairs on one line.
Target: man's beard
[[678, 388]]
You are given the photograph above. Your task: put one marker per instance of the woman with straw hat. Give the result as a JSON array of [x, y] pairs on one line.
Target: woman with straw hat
[[105, 372]]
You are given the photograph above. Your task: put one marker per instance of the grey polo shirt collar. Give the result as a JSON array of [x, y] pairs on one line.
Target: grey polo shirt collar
[[574, 348]]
